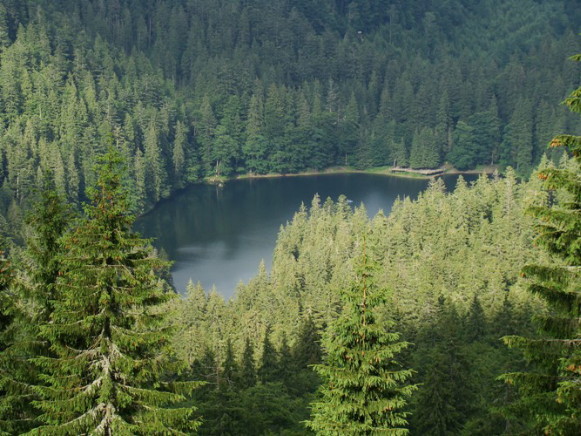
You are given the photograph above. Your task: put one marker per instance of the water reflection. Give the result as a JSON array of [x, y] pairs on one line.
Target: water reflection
[[218, 236]]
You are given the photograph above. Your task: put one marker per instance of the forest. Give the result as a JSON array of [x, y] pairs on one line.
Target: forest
[[456, 314], [192, 89]]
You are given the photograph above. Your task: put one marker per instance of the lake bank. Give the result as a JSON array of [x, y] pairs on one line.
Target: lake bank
[[407, 173], [218, 236], [383, 171]]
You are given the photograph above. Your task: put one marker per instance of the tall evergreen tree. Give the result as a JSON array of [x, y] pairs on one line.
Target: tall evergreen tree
[[443, 399], [286, 369], [108, 332], [463, 155], [39, 270], [267, 372], [247, 366], [229, 368], [550, 394], [48, 221], [476, 324], [424, 152], [8, 407], [517, 147], [364, 388], [307, 349]]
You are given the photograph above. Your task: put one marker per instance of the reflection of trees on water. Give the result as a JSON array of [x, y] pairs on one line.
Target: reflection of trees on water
[[213, 230]]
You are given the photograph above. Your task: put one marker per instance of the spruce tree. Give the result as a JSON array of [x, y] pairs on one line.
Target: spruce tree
[[247, 366], [476, 327], [228, 377], [364, 388], [444, 397], [550, 394], [108, 332], [8, 406], [268, 370], [285, 367], [34, 290], [48, 221], [307, 349]]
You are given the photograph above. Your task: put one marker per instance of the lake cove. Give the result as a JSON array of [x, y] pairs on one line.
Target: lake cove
[[218, 235]]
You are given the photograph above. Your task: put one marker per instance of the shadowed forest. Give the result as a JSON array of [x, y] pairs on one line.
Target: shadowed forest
[[188, 89], [456, 314]]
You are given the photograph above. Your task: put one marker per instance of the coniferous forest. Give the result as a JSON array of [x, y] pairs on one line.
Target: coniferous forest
[[457, 313]]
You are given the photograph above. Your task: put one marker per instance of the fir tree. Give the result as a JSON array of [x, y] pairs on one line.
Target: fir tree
[[8, 406], [476, 326], [48, 221], [268, 370], [550, 394], [364, 388], [286, 369], [504, 322], [39, 270], [229, 369], [307, 350], [108, 333], [247, 366], [443, 399]]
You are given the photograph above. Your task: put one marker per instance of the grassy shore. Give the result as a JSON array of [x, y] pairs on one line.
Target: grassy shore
[[384, 171]]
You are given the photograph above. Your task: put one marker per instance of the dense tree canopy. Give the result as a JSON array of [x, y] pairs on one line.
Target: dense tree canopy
[[363, 387], [550, 392], [188, 89], [452, 261], [452, 264], [110, 348], [92, 339]]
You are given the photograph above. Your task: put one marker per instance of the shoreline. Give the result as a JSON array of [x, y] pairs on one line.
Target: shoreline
[[382, 171], [378, 171]]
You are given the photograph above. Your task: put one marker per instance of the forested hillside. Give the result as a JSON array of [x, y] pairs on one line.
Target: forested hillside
[[391, 324], [188, 89], [448, 265], [92, 337]]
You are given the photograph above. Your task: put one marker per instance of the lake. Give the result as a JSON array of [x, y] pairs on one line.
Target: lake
[[218, 236]]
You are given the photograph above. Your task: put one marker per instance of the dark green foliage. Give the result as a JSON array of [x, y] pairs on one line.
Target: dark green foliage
[[228, 379], [190, 89], [444, 397], [424, 152], [470, 244], [219, 400], [187, 89], [307, 348], [10, 413], [109, 340], [306, 352], [247, 366], [476, 324], [39, 268], [504, 323], [364, 388], [286, 367], [476, 141], [550, 396], [48, 220], [268, 367], [463, 155], [270, 409], [517, 148], [6, 277], [236, 404]]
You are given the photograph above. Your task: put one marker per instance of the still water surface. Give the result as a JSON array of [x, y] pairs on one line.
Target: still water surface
[[218, 236]]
